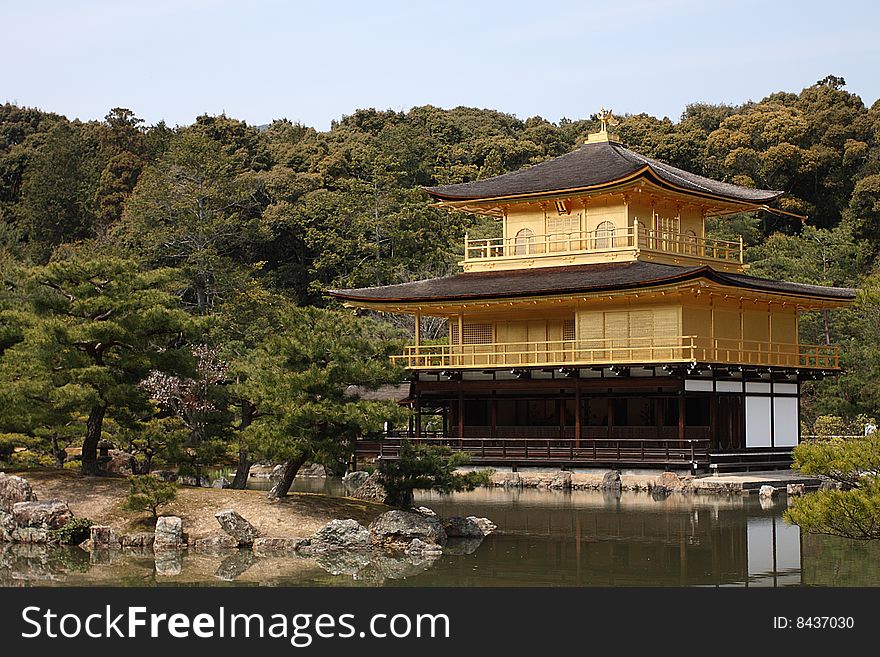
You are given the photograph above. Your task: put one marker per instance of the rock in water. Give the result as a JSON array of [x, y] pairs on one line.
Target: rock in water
[[102, 537], [169, 533], [353, 480], [611, 481], [399, 528], [312, 470], [418, 547], [470, 527], [338, 535], [793, 490], [41, 515], [371, 490], [214, 544], [14, 489], [275, 546], [140, 540], [237, 527], [767, 492]]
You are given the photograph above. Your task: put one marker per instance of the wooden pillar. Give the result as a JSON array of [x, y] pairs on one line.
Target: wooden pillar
[[577, 412], [460, 413], [560, 411], [445, 419], [418, 415], [418, 331], [493, 415], [681, 414]]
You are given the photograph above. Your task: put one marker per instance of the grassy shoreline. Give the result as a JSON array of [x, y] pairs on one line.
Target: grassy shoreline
[[100, 499]]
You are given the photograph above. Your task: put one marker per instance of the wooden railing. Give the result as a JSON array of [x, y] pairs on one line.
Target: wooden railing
[[618, 351], [658, 451], [595, 241]]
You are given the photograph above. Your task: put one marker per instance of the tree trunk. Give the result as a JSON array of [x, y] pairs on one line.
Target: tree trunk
[[281, 488], [59, 454], [239, 482], [94, 430]]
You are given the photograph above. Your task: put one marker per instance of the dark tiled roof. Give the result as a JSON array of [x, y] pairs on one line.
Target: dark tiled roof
[[573, 279], [595, 165]]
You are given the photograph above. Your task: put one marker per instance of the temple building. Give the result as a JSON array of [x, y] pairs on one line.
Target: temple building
[[603, 328]]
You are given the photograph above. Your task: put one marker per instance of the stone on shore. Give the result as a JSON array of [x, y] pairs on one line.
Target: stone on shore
[[211, 544], [221, 482], [237, 527], [396, 529], [169, 533], [337, 535], [53, 514], [14, 489]]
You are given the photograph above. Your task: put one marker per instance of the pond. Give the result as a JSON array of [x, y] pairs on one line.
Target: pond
[[549, 538]]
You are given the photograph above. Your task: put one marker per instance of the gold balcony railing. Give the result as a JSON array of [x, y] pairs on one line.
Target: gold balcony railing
[[617, 351], [635, 237]]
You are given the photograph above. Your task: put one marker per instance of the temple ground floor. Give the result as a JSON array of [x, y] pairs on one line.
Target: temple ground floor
[[698, 419]]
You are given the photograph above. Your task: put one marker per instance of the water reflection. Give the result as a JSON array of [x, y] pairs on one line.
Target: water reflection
[[578, 538]]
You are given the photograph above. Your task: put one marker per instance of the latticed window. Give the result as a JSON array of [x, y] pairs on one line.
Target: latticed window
[[473, 333], [568, 329], [667, 226], [562, 230]]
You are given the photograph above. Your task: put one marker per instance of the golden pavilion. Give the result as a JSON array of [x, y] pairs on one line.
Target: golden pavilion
[[603, 328]]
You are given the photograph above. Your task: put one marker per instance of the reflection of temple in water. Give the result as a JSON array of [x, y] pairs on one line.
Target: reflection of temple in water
[[636, 540]]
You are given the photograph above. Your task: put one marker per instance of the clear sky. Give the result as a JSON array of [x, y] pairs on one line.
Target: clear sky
[[315, 61]]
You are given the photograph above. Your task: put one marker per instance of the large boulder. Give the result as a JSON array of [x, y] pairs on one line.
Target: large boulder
[[338, 535], [470, 527], [53, 514], [398, 529], [169, 534], [14, 489], [371, 490], [221, 482], [237, 527]]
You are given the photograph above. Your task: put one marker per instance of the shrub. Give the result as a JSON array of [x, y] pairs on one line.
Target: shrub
[[74, 532], [148, 493], [426, 467]]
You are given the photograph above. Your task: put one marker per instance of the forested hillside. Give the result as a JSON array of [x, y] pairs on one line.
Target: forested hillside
[[182, 250]]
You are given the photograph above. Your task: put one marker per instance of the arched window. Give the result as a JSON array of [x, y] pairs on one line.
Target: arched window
[[524, 242], [605, 235]]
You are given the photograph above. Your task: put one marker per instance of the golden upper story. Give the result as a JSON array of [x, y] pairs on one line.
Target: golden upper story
[[603, 260]]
